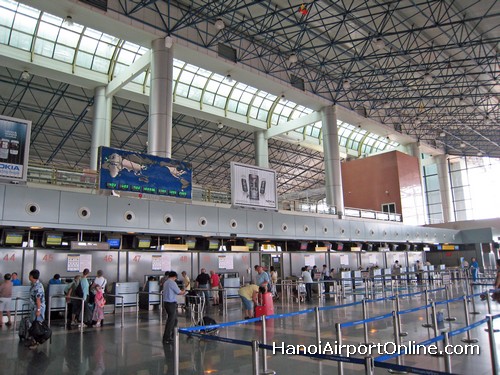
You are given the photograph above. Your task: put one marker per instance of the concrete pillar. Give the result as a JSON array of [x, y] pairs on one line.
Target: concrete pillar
[[415, 151], [333, 174], [445, 188], [101, 127], [261, 149], [160, 100]]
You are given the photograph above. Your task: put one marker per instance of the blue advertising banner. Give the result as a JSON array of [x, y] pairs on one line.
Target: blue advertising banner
[[134, 172], [14, 148]]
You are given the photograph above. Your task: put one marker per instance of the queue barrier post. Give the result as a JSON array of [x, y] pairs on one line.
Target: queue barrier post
[[365, 325], [265, 370], [176, 351], [369, 366], [473, 312], [449, 318], [318, 326], [467, 339], [447, 356], [398, 316], [338, 332], [493, 347], [427, 324], [255, 357], [397, 340]]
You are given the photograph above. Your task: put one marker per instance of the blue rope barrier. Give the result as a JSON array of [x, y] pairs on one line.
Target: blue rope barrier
[[386, 357], [468, 328], [414, 309], [324, 308], [409, 369], [369, 320]]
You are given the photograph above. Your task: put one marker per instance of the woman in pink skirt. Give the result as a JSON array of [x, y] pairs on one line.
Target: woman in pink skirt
[[99, 302]]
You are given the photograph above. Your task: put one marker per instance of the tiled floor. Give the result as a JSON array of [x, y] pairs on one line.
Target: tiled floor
[[137, 348]]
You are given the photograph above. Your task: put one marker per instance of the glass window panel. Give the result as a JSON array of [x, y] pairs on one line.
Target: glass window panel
[[68, 38], [208, 98], [253, 112], [199, 81], [343, 141], [232, 105], [186, 77], [220, 101], [140, 78], [262, 116], [48, 31], [4, 35], [126, 57], [236, 94], [105, 50], [21, 40], [25, 23], [10, 4], [195, 93], [224, 89], [101, 65], [84, 60], [88, 45], [24, 9], [6, 17], [213, 86], [63, 53], [44, 47], [119, 68], [242, 109], [246, 97], [182, 90]]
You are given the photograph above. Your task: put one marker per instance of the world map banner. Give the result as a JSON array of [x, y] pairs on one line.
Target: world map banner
[[134, 172]]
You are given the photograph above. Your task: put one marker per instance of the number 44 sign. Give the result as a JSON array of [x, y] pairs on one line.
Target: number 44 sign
[[9, 258]]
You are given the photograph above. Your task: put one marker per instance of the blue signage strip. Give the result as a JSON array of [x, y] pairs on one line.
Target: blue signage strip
[[138, 173]]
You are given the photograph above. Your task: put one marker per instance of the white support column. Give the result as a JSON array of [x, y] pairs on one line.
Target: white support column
[[333, 174], [445, 188], [261, 149], [101, 127], [160, 100], [415, 151]]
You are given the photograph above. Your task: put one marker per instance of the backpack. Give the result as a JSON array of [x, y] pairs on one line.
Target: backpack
[[79, 291], [24, 327]]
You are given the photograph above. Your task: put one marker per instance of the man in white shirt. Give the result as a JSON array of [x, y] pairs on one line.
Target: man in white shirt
[[306, 277]]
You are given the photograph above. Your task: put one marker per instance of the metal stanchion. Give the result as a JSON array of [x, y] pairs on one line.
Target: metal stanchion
[[369, 366], [473, 312], [397, 340], [255, 357], [318, 327], [447, 357], [435, 325], [427, 324], [468, 339], [399, 317], [265, 370], [489, 311], [338, 332], [365, 325], [176, 351], [493, 347], [449, 318]]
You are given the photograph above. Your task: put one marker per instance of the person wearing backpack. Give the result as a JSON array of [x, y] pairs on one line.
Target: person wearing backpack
[[73, 304]]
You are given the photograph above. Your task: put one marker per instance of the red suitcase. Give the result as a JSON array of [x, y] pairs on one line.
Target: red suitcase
[[267, 306]]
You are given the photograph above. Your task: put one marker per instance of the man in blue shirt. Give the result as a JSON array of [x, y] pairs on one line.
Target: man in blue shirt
[[170, 292], [14, 279], [474, 268], [262, 278]]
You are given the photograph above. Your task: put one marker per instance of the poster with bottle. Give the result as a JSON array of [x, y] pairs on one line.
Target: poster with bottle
[[253, 186], [14, 149]]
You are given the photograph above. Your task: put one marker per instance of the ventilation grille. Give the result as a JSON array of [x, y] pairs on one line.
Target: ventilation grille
[[226, 52], [101, 4]]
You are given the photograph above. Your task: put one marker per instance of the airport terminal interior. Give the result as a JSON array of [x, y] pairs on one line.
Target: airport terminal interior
[[362, 137]]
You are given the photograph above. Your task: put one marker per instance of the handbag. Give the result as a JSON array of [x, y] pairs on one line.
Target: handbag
[[40, 331]]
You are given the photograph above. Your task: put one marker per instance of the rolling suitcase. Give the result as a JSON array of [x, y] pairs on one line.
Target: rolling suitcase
[[24, 328], [267, 305]]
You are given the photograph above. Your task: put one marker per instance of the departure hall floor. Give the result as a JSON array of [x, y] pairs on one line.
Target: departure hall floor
[[137, 348]]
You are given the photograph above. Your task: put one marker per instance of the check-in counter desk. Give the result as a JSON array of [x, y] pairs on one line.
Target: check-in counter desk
[[56, 300], [150, 296], [126, 290]]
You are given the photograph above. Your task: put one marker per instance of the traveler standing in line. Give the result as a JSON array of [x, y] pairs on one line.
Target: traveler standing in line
[[73, 305], [15, 280], [203, 282], [474, 269], [306, 277], [420, 269], [37, 300], [186, 282], [262, 278], [214, 284], [5, 298], [170, 292]]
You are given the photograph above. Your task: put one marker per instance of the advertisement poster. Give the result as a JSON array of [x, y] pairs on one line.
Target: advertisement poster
[[14, 148], [253, 187], [138, 173]]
